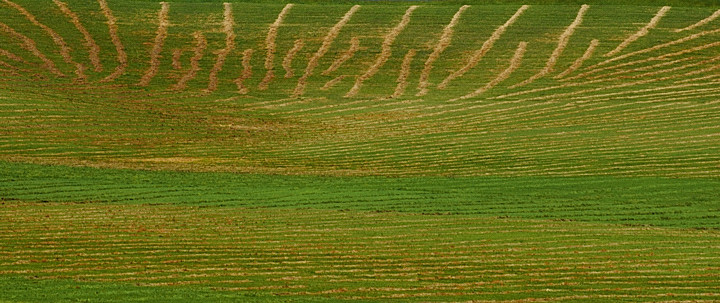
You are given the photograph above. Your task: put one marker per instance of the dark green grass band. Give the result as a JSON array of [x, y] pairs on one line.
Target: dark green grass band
[[685, 203]]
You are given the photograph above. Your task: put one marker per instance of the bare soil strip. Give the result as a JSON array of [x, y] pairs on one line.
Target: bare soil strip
[[702, 22], [59, 41], [228, 23], [514, 64], [200, 46], [562, 44], [487, 45], [93, 48], [404, 73], [578, 63], [246, 73], [29, 45], [349, 53], [656, 47], [287, 61], [119, 48], [384, 54], [270, 47], [641, 33], [177, 54], [333, 82], [163, 24], [327, 42], [440, 47]]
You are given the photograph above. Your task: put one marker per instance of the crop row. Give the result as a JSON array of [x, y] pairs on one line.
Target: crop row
[[355, 255]]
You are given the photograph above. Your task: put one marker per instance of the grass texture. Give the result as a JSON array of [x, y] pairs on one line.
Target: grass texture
[[345, 151]]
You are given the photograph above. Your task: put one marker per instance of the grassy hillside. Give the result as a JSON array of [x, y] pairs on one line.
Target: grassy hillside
[[432, 151], [648, 110]]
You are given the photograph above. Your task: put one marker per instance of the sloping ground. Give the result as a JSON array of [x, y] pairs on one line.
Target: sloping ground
[[357, 255], [590, 93], [429, 152]]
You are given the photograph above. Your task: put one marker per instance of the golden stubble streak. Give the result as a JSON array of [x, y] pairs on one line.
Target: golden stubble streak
[[327, 42], [487, 45], [246, 73], [562, 44], [157, 45], [404, 74], [228, 23], [29, 45], [90, 44], [346, 55], [514, 64], [641, 33], [270, 47], [386, 51], [59, 41], [200, 46], [115, 38], [287, 61], [443, 43], [702, 22]]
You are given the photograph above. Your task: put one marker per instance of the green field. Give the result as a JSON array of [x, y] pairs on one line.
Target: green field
[[500, 151]]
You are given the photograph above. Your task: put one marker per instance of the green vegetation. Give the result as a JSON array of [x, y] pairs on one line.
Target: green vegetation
[[497, 152], [680, 203]]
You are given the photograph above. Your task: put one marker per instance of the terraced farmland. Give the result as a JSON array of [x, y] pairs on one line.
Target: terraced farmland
[[314, 151]]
